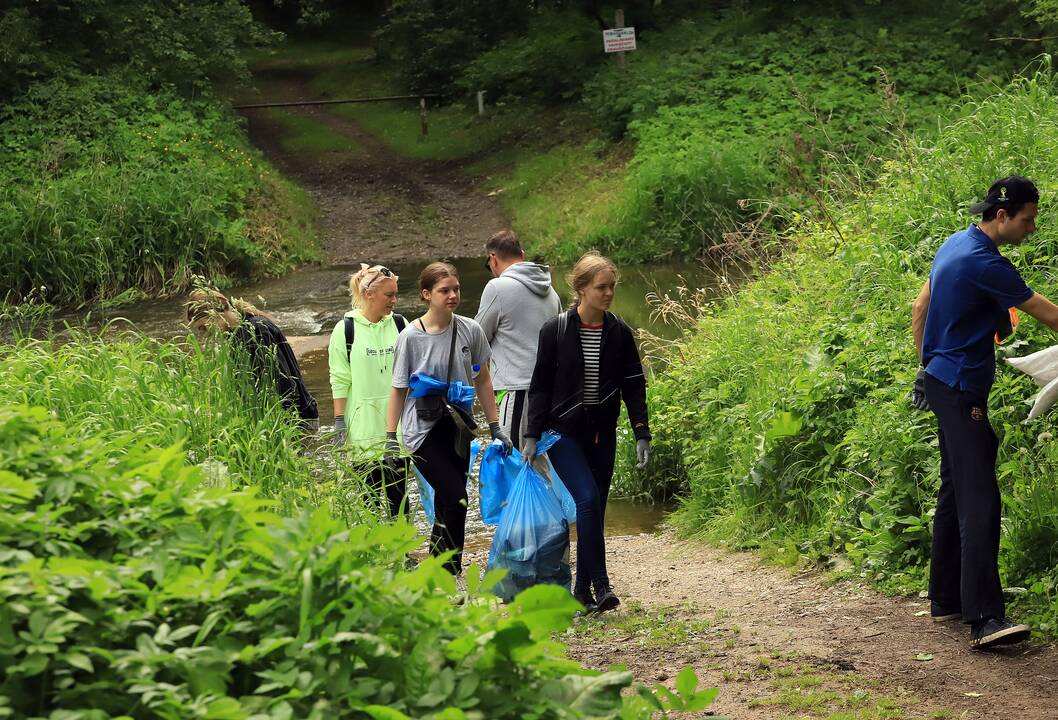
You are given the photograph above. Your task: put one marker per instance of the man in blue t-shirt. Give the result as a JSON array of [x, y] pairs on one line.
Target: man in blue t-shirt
[[962, 306]]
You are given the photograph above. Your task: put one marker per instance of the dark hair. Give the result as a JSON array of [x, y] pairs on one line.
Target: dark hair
[[434, 273], [504, 245]]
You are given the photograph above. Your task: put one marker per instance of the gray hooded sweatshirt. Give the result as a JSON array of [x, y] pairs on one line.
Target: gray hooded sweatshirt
[[513, 308]]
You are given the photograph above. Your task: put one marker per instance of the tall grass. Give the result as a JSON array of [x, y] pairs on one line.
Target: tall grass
[[107, 187], [784, 415], [199, 397]]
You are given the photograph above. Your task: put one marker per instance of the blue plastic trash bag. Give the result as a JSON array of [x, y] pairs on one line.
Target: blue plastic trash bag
[[458, 392], [569, 506], [532, 540], [426, 493], [497, 474]]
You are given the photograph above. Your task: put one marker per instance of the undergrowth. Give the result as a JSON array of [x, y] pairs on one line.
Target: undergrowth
[[783, 417], [108, 186]]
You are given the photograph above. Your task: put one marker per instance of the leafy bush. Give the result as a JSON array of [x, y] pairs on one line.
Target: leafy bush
[[105, 187], [785, 413], [187, 45], [549, 63], [131, 589], [753, 108]]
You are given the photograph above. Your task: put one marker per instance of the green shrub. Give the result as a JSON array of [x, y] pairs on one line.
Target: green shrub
[[106, 187], [548, 64], [785, 416], [132, 589]]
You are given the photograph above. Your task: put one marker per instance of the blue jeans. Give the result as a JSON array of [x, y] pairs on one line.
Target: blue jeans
[[585, 465]]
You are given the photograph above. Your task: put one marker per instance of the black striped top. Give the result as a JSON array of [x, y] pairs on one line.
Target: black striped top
[[590, 342]]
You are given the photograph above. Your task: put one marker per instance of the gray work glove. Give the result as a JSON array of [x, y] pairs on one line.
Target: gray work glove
[[497, 434], [918, 391], [642, 453], [528, 449], [391, 453], [339, 430]]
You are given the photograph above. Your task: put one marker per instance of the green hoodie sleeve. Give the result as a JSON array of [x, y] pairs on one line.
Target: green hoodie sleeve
[[338, 362]]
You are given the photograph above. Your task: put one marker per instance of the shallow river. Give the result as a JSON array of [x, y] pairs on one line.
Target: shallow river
[[307, 303]]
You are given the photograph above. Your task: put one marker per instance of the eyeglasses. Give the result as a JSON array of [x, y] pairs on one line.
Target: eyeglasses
[[488, 262]]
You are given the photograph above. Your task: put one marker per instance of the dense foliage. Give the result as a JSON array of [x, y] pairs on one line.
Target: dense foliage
[[168, 550], [187, 44], [784, 415], [107, 187]]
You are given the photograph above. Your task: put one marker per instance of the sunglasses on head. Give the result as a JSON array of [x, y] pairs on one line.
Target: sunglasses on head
[[380, 271]]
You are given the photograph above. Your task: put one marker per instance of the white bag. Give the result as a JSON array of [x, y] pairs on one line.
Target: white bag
[[1042, 367]]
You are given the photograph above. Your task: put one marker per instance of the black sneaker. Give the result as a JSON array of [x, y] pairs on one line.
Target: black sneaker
[[941, 614], [585, 598], [605, 599], [994, 632]]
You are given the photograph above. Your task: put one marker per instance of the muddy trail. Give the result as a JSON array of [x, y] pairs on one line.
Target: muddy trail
[[375, 205], [776, 644], [782, 645]]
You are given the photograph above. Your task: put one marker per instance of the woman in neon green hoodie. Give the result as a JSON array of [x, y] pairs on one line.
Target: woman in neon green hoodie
[[361, 369]]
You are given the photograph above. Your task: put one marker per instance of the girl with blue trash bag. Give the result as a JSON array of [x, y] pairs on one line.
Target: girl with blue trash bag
[[360, 363], [586, 363], [437, 359]]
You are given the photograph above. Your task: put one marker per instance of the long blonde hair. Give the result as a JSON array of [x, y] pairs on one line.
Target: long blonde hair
[[204, 302], [364, 278], [589, 265]]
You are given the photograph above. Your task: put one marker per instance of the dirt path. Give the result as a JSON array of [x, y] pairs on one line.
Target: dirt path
[[780, 645], [376, 205]]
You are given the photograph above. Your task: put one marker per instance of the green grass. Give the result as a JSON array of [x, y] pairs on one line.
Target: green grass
[[558, 198], [802, 378], [454, 130], [303, 134], [661, 628]]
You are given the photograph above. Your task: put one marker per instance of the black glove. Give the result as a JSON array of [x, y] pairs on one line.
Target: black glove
[[918, 391], [391, 453], [497, 434]]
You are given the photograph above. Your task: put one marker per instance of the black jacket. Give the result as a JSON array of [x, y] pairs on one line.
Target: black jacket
[[556, 392], [273, 360]]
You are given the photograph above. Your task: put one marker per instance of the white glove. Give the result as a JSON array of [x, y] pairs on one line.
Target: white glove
[[642, 453]]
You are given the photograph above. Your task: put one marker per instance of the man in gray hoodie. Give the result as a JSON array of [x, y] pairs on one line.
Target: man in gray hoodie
[[514, 306]]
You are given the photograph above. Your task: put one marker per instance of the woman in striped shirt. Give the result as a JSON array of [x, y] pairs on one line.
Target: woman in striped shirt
[[586, 363]]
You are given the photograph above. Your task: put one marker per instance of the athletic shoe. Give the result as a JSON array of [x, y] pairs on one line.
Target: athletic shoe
[[585, 598], [605, 598], [942, 614], [994, 632]]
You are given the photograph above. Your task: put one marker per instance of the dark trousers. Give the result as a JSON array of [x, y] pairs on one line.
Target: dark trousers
[[964, 567], [446, 472], [585, 465], [392, 483]]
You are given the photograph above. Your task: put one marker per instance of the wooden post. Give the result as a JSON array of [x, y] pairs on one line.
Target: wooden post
[[481, 102], [619, 22], [422, 115]]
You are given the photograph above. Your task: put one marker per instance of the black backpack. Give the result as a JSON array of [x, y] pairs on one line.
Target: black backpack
[[350, 331]]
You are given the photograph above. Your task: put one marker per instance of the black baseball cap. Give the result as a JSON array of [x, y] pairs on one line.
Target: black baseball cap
[[1011, 191]]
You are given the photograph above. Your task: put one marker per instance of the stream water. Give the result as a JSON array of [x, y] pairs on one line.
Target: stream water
[[307, 303]]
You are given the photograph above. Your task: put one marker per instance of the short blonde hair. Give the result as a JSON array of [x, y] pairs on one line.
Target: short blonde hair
[[362, 280], [589, 265]]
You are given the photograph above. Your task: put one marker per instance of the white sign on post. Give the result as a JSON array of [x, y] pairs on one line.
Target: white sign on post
[[619, 39]]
